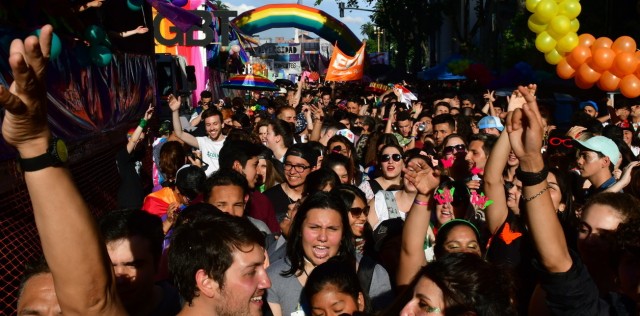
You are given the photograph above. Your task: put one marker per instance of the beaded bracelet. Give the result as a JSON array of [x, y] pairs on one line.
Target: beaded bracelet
[[535, 196], [143, 123]]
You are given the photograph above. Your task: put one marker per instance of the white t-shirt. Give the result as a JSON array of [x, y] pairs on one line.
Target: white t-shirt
[[210, 153]]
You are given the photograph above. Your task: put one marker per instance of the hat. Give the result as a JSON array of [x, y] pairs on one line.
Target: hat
[[347, 134], [165, 127], [602, 145], [588, 103], [304, 151], [490, 122]]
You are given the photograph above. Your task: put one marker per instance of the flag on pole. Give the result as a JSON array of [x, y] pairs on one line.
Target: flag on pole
[[346, 68]]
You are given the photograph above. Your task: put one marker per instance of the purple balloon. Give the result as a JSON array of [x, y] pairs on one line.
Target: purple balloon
[[180, 3]]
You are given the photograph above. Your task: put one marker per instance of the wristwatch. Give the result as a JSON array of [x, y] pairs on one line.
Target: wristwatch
[[56, 155]]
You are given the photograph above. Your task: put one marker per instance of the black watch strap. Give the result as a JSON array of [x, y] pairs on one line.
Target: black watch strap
[[37, 163]]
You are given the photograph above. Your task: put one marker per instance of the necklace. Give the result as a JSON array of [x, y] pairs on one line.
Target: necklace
[[285, 188], [304, 268]]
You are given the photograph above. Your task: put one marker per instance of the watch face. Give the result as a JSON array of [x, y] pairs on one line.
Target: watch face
[[61, 150]]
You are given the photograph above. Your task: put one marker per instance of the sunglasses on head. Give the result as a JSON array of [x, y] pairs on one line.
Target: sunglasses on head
[[454, 149], [395, 157], [557, 141], [356, 211]]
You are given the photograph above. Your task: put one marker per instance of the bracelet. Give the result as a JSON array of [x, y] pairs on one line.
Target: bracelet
[[535, 196], [422, 203], [532, 178], [143, 123]]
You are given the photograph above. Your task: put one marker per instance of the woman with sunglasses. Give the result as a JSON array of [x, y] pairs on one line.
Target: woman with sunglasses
[[358, 212], [320, 231], [452, 157], [387, 203], [390, 163]]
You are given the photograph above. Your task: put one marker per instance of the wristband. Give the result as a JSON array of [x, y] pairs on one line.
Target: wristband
[[422, 203], [532, 178], [143, 123]]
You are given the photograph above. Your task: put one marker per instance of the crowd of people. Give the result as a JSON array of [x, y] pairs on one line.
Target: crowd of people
[[330, 200]]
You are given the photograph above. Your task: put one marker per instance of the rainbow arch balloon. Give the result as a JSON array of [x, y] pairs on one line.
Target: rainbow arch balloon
[[301, 17]]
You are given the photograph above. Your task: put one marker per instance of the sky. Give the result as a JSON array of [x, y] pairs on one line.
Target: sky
[[352, 18]]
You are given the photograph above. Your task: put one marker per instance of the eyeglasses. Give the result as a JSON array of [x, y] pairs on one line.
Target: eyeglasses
[[557, 141], [297, 168], [454, 149], [339, 150], [356, 211], [395, 157]]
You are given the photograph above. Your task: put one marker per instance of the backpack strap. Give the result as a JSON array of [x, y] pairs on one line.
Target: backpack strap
[[365, 273], [392, 207], [375, 186]]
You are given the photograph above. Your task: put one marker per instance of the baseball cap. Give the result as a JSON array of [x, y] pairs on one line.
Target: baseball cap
[[348, 134], [589, 103], [490, 122], [603, 145]]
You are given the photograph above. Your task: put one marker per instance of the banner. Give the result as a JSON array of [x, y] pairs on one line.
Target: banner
[[285, 58], [346, 68], [381, 58]]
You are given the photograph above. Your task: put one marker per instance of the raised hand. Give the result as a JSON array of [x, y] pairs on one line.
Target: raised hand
[[490, 96], [174, 104], [422, 176], [25, 121], [525, 128], [149, 112]]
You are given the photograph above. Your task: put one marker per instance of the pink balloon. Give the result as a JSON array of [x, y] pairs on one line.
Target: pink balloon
[[180, 3]]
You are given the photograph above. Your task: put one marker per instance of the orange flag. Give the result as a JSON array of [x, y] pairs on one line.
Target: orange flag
[[346, 68]]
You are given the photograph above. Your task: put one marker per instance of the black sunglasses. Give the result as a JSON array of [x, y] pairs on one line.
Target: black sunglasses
[[454, 149], [356, 211], [395, 157]]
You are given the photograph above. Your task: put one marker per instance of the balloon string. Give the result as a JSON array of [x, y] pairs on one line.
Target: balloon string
[[144, 18]]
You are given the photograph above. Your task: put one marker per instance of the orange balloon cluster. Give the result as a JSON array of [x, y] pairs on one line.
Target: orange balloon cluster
[[611, 65]]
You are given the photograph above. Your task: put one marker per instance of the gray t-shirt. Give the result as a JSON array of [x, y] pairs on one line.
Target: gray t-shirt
[[287, 291]]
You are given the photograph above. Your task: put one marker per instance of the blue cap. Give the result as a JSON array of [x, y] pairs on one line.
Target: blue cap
[[490, 122], [589, 103]]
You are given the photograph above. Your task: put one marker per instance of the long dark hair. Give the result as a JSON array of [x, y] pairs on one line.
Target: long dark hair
[[336, 273], [295, 251], [470, 284]]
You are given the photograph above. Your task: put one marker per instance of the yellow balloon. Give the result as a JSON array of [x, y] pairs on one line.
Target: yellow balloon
[[575, 26], [531, 5], [535, 25], [553, 57], [546, 10], [560, 24], [570, 9], [545, 43], [567, 43]]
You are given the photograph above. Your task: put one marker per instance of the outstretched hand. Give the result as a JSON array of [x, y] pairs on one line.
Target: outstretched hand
[[174, 103], [422, 176], [525, 127], [25, 122]]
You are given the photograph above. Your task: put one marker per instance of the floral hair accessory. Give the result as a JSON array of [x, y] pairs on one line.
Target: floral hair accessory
[[445, 196], [447, 163], [480, 200], [476, 171]]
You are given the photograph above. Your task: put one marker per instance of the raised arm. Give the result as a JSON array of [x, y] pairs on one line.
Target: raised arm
[[416, 225], [390, 120], [525, 134], [494, 184], [82, 273], [174, 105], [131, 144]]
